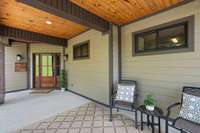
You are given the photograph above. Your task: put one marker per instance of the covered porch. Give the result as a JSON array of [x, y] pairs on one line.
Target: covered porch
[[87, 48]]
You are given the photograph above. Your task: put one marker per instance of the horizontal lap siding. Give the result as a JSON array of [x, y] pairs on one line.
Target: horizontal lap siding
[[15, 80], [89, 77], [162, 75]]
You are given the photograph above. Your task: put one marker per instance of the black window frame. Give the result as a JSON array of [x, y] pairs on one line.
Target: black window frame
[[157, 31], [81, 46]]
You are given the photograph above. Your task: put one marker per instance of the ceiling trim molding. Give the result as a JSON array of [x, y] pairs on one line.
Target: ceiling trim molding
[[161, 11], [70, 11], [30, 36]]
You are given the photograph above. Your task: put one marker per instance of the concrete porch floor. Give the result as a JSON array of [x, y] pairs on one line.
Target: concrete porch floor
[[23, 108]]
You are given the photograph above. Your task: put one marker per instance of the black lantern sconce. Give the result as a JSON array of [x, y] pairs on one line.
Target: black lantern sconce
[[19, 57], [65, 57]]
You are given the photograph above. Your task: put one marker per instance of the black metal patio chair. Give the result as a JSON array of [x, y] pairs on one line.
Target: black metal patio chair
[[188, 123], [124, 97]]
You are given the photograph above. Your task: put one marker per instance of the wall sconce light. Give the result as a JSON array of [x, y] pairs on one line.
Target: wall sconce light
[[19, 57], [66, 57]]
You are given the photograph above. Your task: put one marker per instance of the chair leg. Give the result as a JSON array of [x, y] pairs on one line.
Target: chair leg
[[110, 113], [166, 126], [136, 120]]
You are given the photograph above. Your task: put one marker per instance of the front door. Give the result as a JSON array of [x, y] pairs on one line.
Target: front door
[[47, 76], [47, 68]]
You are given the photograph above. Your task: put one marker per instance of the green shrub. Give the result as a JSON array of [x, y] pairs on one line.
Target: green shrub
[[62, 79], [149, 101]]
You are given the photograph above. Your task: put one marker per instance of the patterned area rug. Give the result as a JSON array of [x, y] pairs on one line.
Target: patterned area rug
[[89, 118]]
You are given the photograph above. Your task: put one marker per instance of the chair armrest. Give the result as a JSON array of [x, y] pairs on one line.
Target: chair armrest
[[115, 92], [113, 95], [170, 108]]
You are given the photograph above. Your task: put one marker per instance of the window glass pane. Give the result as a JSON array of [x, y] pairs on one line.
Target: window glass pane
[[172, 37], [85, 50], [140, 44], [44, 60], [50, 60], [36, 60], [44, 71], [77, 52], [50, 71], [147, 42]]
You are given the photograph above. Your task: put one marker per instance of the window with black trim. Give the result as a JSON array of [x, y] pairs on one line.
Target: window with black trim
[[81, 50], [170, 37]]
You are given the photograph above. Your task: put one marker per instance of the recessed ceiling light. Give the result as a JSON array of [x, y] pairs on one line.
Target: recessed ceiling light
[[48, 22], [174, 40]]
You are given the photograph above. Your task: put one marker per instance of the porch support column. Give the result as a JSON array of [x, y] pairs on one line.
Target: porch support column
[[119, 53], [2, 73], [110, 50], [28, 65]]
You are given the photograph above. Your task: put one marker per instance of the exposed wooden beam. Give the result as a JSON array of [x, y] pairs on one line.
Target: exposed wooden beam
[[30, 36], [70, 11]]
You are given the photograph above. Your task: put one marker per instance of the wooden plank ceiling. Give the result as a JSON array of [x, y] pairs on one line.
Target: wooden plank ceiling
[[24, 17], [123, 11]]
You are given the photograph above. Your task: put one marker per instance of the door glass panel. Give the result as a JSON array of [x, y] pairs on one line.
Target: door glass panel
[[50, 60], [44, 71], [37, 71], [44, 60], [50, 65], [50, 71], [47, 65]]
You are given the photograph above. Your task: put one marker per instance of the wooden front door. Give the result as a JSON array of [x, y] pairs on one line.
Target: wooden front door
[[2, 86], [46, 70], [47, 76]]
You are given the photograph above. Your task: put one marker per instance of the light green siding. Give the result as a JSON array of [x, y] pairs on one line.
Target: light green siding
[[162, 75], [15, 80], [90, 77]]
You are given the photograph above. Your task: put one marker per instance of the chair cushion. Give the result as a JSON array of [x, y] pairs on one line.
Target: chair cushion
[[190, 109], [187, 125], [125, 92]]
